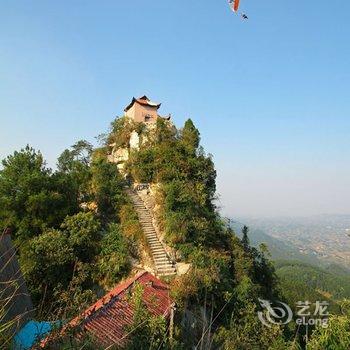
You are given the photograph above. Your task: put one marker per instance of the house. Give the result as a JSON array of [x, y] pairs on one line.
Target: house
[[18, 308], [144, 110], [139, 110], [107, 319]]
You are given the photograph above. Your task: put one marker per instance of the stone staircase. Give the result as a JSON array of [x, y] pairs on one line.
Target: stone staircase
[[163, 264]]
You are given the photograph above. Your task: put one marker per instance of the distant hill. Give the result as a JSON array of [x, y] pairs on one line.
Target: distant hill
[[330, 281], [302, 276], [300, 281], [279, 250], [325, 237]]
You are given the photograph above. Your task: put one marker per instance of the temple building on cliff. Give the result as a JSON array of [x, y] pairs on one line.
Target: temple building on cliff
[[139, 110]]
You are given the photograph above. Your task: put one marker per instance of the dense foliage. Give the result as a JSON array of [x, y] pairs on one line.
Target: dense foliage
[[227, 274], [66, 225], [78, 235], [187, 178], [329, 283], [32, 198]]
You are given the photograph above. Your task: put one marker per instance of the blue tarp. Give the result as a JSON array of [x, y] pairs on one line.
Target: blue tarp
[[31, 333]]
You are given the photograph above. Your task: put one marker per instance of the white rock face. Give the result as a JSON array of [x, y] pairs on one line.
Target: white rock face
[[121, 155], [134, 140], [182, 268]]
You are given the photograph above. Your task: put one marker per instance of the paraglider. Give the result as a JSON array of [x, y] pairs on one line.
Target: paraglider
[[234, 4]]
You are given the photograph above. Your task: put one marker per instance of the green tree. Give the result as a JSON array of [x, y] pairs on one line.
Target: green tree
[[31, 199], [146, 331], [336, 336], [190, 136], [107, 187], [114, 259], [245, 331], [84, 234], [75, 164], [47, 262], [245, 238]]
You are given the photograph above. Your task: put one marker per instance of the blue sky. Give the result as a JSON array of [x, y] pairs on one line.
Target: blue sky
[[270, 95]]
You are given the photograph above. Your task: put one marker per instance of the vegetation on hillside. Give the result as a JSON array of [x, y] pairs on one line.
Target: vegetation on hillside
[[76, 234], [329, 284], [66, 225]]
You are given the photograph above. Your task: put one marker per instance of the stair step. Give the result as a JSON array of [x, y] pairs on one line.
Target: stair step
[[160, 254], [163, 262], [167, 271], [164, 266], [156, 249], [161, 258], [161, 268], [156, 245]]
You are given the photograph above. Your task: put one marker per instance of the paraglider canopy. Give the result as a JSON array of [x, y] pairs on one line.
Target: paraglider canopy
[[234, 5]]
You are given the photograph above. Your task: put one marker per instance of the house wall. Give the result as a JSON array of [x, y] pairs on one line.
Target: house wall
[[138, 112], [13, 284], [131, 112]]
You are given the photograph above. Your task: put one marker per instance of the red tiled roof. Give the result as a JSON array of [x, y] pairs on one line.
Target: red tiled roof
[[143, 100], [107, 318]]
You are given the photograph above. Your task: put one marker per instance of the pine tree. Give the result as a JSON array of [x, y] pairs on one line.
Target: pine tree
[[190, 135], [245, 238]]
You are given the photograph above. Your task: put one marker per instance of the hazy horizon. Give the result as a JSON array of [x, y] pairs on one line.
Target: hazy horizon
[[268, 96]]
